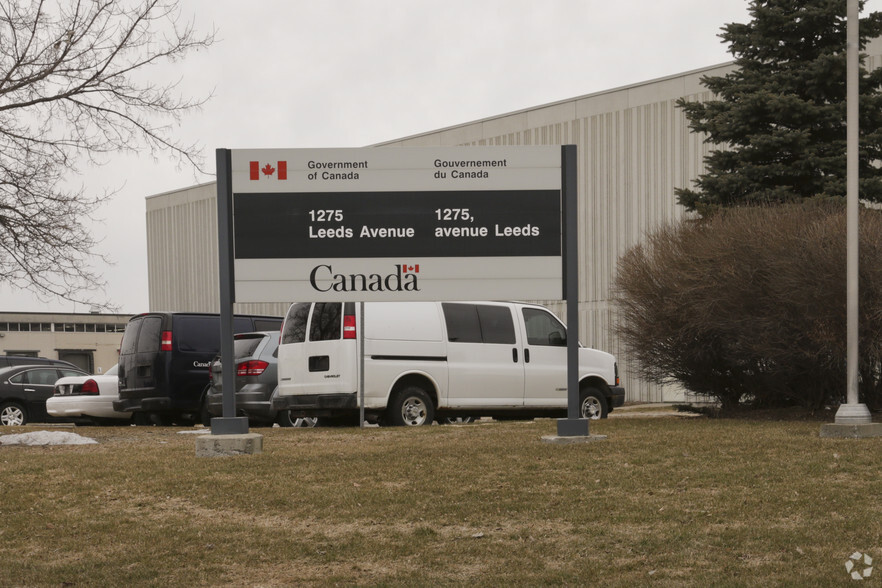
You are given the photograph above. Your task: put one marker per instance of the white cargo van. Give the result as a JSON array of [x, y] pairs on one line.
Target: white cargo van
[[428, 360]]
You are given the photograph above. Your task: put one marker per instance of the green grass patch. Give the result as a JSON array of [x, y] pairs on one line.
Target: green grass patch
[[662, 501]]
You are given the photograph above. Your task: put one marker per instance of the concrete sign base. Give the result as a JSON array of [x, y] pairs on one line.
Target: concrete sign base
[[219, 445], [851, 431]]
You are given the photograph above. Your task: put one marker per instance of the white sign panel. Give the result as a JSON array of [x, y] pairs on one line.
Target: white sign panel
[[368, 224]]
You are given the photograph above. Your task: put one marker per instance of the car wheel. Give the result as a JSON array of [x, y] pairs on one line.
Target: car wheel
[[457, 420], [13, 414], [592, 404], [411, 407]]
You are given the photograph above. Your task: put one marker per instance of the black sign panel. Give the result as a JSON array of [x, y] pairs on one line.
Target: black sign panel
[[385, 224]]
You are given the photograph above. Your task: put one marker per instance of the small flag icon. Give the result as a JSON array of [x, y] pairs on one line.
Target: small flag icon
[[411, 268], [255, 169]]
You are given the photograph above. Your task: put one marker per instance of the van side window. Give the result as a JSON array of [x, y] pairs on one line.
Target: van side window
[[150, 334], [462, 323], [295, 323], [496, 324], [544, 329], [197, 333], [241, 324], [478, 323], [326, 322]]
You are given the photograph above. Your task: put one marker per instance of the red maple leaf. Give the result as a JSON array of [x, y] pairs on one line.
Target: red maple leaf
[[268, 170]]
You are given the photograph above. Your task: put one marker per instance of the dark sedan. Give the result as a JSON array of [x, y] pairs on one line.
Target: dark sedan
[[24, 390]]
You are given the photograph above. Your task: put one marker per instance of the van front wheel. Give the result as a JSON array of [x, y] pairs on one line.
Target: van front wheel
[[411, 407], [592, 404]]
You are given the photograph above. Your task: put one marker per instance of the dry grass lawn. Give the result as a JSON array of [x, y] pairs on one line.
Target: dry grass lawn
[[662, 501]]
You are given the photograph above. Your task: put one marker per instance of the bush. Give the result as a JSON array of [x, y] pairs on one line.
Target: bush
[[749, 305]]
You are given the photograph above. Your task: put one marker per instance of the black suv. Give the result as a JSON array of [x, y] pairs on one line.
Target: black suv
[[164, 360]]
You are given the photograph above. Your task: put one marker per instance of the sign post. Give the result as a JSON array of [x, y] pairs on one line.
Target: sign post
[[573, 425], [229, 423]]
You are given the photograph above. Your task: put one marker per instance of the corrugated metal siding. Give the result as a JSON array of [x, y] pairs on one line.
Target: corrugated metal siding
[[182, 262]]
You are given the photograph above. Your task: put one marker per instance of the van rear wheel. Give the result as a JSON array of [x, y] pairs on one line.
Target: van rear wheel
[[411, 407]]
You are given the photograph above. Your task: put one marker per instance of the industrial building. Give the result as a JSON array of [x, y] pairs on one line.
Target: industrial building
[[634, 148]]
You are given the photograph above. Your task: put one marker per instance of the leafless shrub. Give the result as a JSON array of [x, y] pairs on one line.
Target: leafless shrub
[[749, 305]]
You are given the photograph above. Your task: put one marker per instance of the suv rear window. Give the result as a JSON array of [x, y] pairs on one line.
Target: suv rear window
[[245, 346]]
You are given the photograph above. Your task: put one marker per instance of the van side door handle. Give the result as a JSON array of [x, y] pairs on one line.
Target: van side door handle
[[526, 356], [514, 354]]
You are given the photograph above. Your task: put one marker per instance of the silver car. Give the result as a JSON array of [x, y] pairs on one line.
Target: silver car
[[256, 373]]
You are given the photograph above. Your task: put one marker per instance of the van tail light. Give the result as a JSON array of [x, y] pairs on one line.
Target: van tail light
[[255, 367], [165, 342], [349, 326], [89, 387], [617, 373]]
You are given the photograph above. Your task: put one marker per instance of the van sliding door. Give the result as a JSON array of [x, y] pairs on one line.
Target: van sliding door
[[485, 363]]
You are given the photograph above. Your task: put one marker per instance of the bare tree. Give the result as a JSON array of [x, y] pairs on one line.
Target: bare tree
[[73, 89]]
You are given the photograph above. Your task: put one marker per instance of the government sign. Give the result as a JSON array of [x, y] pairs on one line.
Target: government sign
[[385, 223]]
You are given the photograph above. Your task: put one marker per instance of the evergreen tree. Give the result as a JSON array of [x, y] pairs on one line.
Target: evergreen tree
[[779, 118]]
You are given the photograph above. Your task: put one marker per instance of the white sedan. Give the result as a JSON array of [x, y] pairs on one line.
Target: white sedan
[[88, 397]]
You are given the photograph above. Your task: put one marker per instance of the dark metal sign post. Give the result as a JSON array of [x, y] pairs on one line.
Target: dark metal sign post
[[229, 423], [573, 425]]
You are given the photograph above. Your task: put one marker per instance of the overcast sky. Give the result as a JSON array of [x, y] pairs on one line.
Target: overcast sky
[[350, 73]]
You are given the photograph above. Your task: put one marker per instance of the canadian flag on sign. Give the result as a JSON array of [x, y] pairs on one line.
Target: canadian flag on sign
[[411, 268], [280, 171]]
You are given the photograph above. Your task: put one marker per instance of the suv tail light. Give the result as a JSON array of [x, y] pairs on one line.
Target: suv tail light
[[89, 387], [255, 367], [349, 326], [165, 342]]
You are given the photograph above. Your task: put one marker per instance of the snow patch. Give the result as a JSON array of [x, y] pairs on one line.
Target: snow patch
[[45, 438]]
